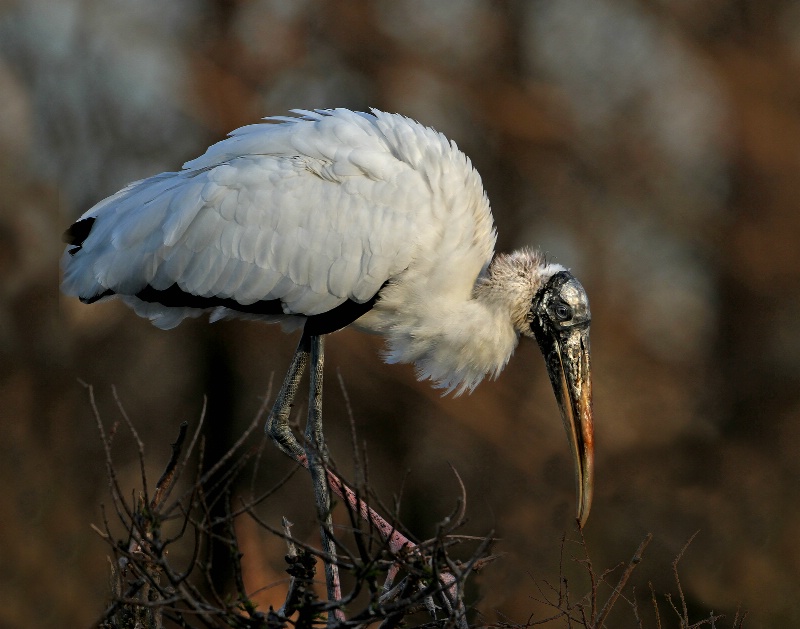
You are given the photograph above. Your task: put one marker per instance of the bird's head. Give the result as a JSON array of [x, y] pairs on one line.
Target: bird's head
[[550, 305], [559, 319]]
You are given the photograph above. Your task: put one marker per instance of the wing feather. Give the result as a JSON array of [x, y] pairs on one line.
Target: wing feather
[[176, 260], [312, 211], [231, 280], [202, 273], [257, 284]]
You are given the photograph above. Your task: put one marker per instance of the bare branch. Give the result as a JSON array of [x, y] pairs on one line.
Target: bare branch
[[623, 580], [165, 482]]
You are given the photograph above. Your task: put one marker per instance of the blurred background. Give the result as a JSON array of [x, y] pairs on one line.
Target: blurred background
[[652, 147]]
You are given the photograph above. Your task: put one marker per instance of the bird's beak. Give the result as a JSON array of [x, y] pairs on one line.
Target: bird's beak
[[568, 365]]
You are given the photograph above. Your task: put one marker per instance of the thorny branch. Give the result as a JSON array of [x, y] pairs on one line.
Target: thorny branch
[[389, 584], [583, 612], [151, 590]]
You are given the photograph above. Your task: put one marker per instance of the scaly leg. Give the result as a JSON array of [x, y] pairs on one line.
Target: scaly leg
[[277, 428], [317, 458], [314, 455]]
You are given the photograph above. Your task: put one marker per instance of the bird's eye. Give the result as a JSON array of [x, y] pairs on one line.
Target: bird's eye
[[562, 311]]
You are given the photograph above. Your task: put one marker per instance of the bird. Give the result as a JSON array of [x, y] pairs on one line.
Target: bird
[[331, 218]]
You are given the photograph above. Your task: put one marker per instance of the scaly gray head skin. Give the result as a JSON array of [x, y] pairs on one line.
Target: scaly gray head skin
[[559, 320]]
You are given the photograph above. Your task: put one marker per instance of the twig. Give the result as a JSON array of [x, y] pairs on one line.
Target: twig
[[623, 580], [685, 616], [135, 434], [165, 482], [655, 604]]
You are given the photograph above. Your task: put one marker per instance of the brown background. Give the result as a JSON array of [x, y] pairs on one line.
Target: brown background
[[653, 147]]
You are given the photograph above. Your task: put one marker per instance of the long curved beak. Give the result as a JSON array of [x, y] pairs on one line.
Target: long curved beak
[[569, 367]]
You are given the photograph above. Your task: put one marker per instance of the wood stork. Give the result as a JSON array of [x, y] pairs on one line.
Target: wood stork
[[331, 218]]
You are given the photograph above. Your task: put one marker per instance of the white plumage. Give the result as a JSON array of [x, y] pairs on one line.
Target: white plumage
[[311, 211], [336, 217]]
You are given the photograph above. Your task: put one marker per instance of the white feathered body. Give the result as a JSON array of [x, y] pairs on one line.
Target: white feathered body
[[313, 211]]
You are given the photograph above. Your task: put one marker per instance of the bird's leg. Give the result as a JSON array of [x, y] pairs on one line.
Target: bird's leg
[[317, 458], [278, 430], [278, 421], [314, 455]]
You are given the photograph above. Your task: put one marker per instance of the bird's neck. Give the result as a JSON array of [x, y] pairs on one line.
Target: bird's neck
[[454, 343], [454, 330]]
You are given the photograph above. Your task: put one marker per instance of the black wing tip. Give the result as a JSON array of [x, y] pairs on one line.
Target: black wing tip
[[90, 300], [77, 233]]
